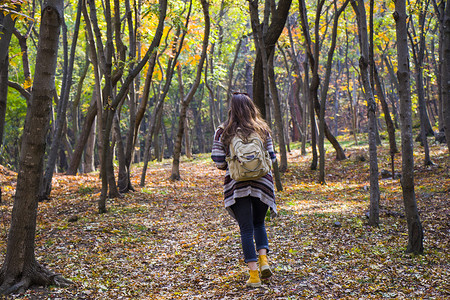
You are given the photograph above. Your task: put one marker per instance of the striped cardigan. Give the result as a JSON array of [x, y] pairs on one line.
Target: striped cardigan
[[261, 188]]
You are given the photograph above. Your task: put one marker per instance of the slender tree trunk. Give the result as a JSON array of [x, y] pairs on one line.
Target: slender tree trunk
[[387, 115], [124, 181], [353, 103], [415, 231], [231, 69], [82, 139], [187, 142], [20, 269], [22, 39], [358, 6], [185, 103], [77, 98], [176, 48], [89, 164], [323, 95], [446, 74], [7, 28], [123, 175], [315, 80], [312, 117], [97, 91], [106, 170], [394, 89], [418, 55], [296, 94], [278, 117], [7, 24]]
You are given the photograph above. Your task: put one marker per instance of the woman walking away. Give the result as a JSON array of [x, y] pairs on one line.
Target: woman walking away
[[247, 199]]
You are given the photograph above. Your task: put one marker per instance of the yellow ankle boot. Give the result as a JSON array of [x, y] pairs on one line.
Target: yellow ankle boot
[[264, 267], [254, 280]]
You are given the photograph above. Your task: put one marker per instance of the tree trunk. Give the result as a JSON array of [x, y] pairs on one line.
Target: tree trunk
[[303, 127], [106, 168], [415, 232], [82, 139], [439, 69], [358, 6], [353, 103], [7, 24], [22, 39], [315, 80], [187, 143], [175, 174], [20, 269], [77, 97], [46, 187], [261, 71], [446, 75], [231, 70], [387, 115], [394, 89], [323, 96], [312, 117], [270, 37], [176, 50], [124, 181], [278, 116], [7, 28], [418, 55], [89, 162], [123, 178]]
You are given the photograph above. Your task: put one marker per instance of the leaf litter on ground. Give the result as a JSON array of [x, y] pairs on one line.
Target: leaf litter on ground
[[174, 240]]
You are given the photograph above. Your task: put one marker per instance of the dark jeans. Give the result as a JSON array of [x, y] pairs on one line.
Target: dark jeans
[[250, 213]]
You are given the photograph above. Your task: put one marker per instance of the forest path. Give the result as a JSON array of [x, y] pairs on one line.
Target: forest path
[[174, 240]]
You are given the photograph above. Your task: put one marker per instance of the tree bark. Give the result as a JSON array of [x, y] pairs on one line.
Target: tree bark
[[270, 38], [176, 50], [124, 181], [323, 96], [231, 69], [315, 80], [358, 7], [89, 162], [278, 116], [46, 187], [83, 138], [175, 175], [387, 116], [263, 52], [446, 74], [20, 269], [415, 232], [7, 28], [418, 57], [394, 89], [297, 87], [106, 167], [187, 142], [353, 102]]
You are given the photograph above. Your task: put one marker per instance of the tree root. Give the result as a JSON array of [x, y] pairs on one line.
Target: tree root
[[35, 275]]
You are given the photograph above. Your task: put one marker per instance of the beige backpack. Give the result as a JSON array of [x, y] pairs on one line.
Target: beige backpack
[[249, 159]]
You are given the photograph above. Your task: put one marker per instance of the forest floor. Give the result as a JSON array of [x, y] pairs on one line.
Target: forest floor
[[174, 240]]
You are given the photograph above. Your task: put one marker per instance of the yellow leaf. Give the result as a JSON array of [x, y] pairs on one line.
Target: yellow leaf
[[27, 84]]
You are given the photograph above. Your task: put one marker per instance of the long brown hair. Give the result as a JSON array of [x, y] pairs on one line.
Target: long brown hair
[[244, 119]]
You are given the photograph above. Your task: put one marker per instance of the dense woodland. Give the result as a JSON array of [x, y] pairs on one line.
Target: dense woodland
[[114, 86]]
